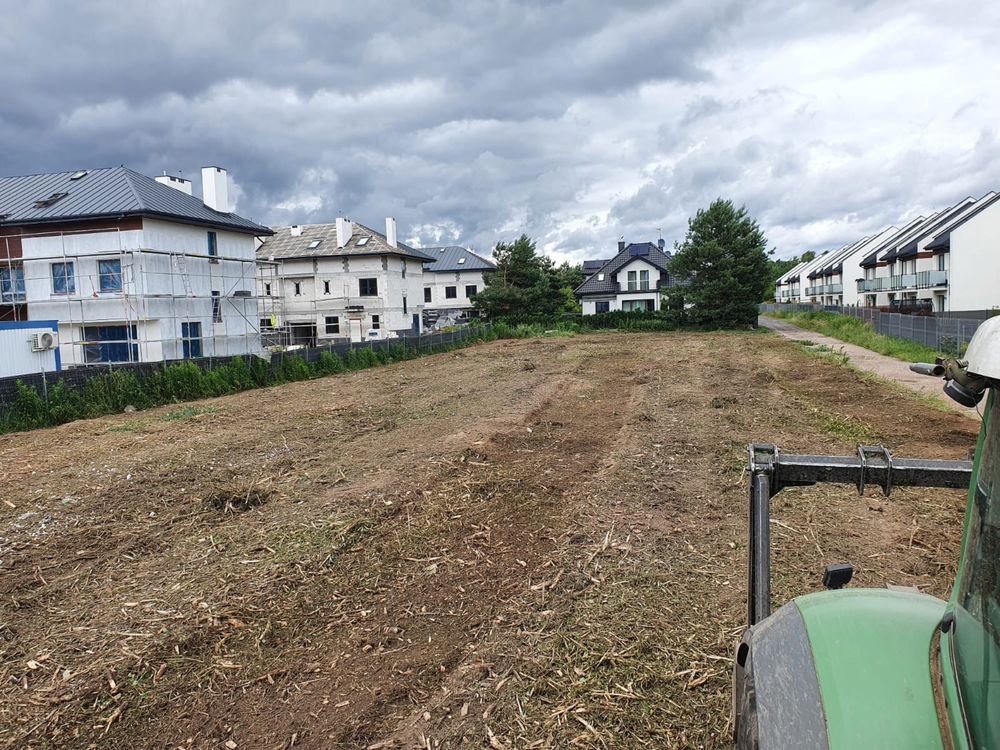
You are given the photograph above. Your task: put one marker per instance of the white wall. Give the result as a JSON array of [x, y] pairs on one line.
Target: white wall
[[975, 262], [344, 273], [438, 283], [16, 355], [159, 292]]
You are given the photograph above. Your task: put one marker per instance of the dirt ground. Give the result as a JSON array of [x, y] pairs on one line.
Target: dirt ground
[[523, 544]]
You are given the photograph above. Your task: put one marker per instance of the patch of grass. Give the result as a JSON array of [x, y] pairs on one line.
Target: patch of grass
[[837, 356], [126, 427], [856, 331], [186, 412], [850, 429]]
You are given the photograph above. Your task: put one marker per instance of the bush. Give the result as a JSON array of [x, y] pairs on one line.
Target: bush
[[329, 363]]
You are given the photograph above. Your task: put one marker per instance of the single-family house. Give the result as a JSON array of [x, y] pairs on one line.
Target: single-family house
[[450, 281], [341, 282], [132, 268], [632, 280]]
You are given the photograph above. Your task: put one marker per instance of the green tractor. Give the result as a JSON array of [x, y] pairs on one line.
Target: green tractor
[[881, 668]]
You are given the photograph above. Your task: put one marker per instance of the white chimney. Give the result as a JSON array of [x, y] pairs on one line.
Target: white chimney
[[296, 230], [215, 188], [345, 228], [390, 231], [177, 183]]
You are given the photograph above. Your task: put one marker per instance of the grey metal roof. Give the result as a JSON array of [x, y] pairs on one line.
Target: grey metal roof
[[935, 223], [105, 193], [900, 237], [942, 241], [651, 254], [364, 241], [454, 258]]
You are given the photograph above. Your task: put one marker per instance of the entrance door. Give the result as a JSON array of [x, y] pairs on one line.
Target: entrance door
[[416, 325], [355, 330]]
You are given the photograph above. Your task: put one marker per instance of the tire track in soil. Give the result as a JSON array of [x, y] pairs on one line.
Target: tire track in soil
[[492, 517]]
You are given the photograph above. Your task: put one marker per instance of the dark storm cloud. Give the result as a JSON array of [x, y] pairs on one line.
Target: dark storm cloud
[[575, 122]]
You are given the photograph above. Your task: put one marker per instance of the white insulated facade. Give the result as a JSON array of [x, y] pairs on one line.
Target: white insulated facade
[[347, 298], [145, 295], [132, 269], [451, 290], [341, 282]]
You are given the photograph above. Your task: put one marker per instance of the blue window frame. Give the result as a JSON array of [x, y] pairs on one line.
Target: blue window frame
[[110, 274], [191, 339], [213, 248], [12, 285], [63, 278], [110, 344]]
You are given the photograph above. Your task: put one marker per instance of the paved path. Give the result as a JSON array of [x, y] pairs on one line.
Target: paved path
[[865, 359]]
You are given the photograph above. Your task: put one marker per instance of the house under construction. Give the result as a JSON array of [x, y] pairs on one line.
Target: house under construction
[[132, 268]]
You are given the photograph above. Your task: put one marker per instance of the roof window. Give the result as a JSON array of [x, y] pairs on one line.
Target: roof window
[[461, 260], [314, 244], [46, 202], [362, 241], [600, 277], [83, 173]]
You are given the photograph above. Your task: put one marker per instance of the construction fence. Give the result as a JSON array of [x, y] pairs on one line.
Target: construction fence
[[77, 377], [946, 334]]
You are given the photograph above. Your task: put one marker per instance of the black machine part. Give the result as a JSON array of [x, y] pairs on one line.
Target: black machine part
[[771, 471], [837, 575], [960, 385]]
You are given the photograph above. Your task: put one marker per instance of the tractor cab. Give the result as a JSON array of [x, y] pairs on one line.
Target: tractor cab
[[881, 668]]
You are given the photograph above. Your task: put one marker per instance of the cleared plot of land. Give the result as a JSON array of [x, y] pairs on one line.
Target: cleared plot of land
[[524, 544]]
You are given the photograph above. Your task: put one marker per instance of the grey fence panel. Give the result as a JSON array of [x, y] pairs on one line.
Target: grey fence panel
[[946, 332]]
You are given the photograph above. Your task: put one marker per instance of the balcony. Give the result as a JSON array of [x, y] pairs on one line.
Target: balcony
[[928, 279], [833, 289], [878, 284], [812, 291], [638, 286]]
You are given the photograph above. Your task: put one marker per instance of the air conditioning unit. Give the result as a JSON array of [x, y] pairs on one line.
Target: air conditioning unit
[[43, 341]]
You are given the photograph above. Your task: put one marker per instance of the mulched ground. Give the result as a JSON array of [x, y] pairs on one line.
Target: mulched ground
[[526, 544]]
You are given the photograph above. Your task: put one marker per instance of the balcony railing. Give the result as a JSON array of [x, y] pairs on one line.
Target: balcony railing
[[878, 284], [927, 279], [638, 286]]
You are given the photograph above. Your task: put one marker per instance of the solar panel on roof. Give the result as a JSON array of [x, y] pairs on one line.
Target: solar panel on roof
[[637, 250]]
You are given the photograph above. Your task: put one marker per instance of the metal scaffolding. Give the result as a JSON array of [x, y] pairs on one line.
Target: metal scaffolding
[[231, 282]]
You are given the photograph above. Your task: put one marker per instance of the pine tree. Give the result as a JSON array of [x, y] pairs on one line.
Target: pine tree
[[524, 284], [724, 261]]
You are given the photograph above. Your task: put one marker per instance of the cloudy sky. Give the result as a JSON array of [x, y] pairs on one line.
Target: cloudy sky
[[473, 121]]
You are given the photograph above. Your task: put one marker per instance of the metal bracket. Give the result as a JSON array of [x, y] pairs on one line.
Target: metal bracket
[[866, 451], [771, 471]]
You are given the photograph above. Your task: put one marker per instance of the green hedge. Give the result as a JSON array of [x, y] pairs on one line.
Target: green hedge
[[112, 392]]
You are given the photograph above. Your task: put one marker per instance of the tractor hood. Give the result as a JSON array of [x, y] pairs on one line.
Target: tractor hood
[[872, 652], [841, 669]]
